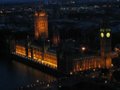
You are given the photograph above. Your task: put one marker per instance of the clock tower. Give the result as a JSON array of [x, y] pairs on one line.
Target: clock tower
[[41, 25], [105, 39]]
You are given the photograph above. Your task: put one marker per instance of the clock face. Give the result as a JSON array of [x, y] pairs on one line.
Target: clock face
[[108, 35], [102, 35]]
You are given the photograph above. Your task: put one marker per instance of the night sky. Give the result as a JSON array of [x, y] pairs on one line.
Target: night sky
[[16, 1], [19, 1]]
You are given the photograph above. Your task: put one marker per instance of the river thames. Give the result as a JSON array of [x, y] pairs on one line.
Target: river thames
[[14, 74]]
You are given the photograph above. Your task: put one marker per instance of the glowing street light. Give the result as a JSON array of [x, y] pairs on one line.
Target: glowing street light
[[83, 48], [48, 40], [112, 65]]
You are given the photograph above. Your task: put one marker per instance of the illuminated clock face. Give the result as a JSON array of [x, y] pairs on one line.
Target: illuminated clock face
[[102, 35], [108, 35]]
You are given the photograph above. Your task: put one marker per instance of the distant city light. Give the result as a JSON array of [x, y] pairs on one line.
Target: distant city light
[[73, 40], [93, 69], [48, 40], [48, 85], [37, 81], [1, 12], [117, 49], [71, 73], [112, 65], [83, 48], [59, 86], [106, 81]]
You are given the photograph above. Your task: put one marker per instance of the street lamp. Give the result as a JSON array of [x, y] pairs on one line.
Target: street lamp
[[83, 48]]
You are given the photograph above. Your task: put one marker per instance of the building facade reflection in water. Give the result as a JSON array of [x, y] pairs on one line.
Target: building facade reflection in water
[[15, 74], [29, 71]]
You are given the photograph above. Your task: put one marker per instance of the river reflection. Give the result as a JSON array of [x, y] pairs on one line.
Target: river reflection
[[14, 74]]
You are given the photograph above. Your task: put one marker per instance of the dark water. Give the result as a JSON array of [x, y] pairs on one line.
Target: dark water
[[14, 74]]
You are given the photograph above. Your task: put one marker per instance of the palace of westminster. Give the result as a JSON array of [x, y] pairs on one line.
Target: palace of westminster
[[58, 55]]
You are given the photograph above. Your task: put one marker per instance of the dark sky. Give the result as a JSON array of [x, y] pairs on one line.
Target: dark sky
[[12, 1]]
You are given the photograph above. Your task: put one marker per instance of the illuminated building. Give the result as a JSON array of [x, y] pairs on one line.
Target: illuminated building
[[62, 56], [65, 59], [20, 50], [41, 25], [35, 53], [105, 39], [86, 63]]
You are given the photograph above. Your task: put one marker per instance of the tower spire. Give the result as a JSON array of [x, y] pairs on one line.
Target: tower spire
[[41, 22], [41, 5], [105, 39]]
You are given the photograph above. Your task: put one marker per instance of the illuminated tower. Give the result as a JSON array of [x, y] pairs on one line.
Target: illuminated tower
[[41, 25], [56, 38], [105, 38]]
